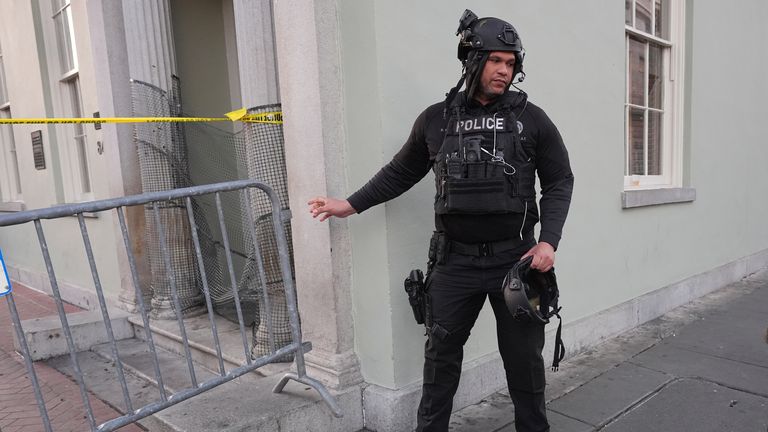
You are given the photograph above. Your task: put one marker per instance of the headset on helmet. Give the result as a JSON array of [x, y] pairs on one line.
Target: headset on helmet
[[484, 35], [478, 37], [532, 296]]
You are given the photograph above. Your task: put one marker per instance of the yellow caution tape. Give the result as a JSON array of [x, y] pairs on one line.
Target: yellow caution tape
[[274, 117]]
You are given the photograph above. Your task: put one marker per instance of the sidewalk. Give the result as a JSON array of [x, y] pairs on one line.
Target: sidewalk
[[18, 406], [702, 367]]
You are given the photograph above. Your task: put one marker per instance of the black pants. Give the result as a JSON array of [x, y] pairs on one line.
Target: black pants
[[458, 289]]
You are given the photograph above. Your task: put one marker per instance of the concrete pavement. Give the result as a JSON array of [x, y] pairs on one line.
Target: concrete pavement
[[701, 367]]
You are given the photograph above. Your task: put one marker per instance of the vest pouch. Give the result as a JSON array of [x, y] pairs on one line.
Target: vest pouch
[[475, 170], [478, 196], [525, 181], [483, 169], [495, 169]]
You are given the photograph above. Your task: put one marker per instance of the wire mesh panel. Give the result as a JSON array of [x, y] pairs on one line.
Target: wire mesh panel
[[164, 165], [266, 160], [187, 154]]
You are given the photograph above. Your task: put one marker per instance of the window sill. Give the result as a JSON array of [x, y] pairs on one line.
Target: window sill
[[649, 197], [12, 206]]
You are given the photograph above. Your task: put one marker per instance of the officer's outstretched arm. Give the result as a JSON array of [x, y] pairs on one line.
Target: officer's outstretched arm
[[325, 207]]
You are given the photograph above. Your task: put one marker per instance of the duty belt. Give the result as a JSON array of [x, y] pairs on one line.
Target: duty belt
[[485, 249]]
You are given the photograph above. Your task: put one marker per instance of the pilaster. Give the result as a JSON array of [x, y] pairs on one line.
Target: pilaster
[[306, 33]]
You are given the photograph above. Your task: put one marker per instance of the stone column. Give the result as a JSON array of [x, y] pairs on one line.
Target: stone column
[[254, 31], [257, 77], [151, 59], [310, 88], [149, 40]]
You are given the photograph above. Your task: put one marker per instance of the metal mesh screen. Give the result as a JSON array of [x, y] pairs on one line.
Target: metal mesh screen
[[164, 165], [267, 162], [173, 155]]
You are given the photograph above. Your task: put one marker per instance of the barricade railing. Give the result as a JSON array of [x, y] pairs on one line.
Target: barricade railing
[[152, 200]]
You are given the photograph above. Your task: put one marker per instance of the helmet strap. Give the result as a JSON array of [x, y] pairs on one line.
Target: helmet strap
[[475, 65], [559, 345], [451, 95]]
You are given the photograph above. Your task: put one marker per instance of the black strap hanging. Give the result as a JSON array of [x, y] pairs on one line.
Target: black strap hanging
[[559, 345], [451, 95]]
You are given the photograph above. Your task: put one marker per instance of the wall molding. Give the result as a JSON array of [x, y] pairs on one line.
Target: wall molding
[[38, 281]]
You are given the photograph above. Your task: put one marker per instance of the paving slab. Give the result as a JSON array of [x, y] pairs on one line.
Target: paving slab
[[561, 423], [739, 337], [754, 299], [557, 423], [605, 397], [251, 406], [593, 362], [684, 363], [489, 414], [696, 405]]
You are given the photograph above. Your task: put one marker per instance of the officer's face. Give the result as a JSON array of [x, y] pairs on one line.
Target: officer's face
[[496, 76]]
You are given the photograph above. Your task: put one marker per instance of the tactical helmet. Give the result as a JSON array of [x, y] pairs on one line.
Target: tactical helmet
[[531, 296], [483, 35]]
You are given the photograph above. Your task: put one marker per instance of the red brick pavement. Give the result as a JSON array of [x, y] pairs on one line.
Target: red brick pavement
[[18, 406]]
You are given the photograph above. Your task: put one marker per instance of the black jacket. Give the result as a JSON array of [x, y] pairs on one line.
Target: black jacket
[[540, 139]]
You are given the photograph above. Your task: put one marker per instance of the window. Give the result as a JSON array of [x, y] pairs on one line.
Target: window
[[75, 148], [10, 180], [654, 33]]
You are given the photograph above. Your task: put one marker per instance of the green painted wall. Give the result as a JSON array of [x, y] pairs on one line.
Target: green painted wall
[[28, 92], [398, 57]]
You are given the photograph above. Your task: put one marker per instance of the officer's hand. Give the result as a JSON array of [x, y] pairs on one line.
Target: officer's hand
[[326, 207], [543, 256]]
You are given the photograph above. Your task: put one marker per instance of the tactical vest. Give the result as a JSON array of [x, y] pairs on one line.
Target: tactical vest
[[482, 167]]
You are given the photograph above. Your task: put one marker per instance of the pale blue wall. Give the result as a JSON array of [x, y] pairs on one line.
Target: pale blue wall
[[22, 58], [398, 57]]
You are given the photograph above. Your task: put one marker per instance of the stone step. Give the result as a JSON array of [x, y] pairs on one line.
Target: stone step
[[174, 370], [166, 334], [45, 336], [101, 376], [245, 403]]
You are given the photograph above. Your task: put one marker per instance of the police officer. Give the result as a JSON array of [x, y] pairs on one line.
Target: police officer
[[485, 145]]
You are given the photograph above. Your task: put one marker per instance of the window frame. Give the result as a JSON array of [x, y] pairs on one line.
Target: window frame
[[10, 187], [77, 176], [673, 57], [10, 183]]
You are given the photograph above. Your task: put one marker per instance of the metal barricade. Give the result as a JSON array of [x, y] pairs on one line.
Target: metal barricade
[[152, 201]]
